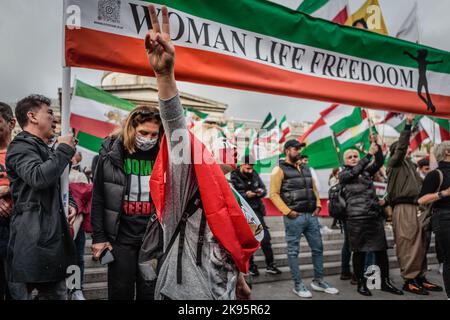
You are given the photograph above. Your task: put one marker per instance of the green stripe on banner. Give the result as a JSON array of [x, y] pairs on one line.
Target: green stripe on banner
[[86, 91], [311, 6], [290, 25], [89, 142]]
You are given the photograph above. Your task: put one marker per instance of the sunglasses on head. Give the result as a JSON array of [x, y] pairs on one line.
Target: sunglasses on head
[[146, 113]]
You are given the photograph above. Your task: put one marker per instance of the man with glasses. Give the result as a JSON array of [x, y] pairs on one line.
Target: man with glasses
[[247, 182]]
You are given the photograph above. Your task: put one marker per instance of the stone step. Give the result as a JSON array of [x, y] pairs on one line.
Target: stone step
[[99, 274], [92, 275], [96, 291], [330, 268], [99, 290], [305, 258], [281, 247]]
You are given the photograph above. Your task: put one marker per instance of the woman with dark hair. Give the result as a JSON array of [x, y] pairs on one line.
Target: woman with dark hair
[[364, 222], [122, 205], [436, 190]]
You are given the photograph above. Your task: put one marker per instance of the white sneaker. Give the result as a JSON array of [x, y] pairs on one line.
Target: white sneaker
[[323, 286], [325, 230], [77, 295], [302, 291]]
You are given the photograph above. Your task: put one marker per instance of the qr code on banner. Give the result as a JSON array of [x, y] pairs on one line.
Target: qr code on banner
[[109, 11]]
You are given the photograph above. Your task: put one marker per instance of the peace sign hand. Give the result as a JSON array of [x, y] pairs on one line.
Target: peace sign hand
[[160, 50]]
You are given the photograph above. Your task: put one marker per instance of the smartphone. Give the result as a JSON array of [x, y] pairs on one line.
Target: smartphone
[[106, 257]]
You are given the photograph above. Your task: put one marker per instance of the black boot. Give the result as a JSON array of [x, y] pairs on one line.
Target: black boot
[[362, 287], [387, 286]]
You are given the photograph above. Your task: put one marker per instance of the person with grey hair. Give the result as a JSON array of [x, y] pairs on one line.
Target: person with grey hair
[[436, 190]]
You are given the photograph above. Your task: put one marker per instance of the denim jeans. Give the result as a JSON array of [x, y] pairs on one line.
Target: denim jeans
[[306, 225]]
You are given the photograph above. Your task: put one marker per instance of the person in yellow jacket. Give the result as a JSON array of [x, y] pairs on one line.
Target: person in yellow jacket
[[294, 193]]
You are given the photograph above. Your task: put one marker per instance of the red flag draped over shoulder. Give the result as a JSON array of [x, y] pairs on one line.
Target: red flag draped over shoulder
[[223, 214]]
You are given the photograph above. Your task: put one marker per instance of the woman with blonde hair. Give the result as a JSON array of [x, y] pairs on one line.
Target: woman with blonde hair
[[122, 204], [364, 222], [436, 190]]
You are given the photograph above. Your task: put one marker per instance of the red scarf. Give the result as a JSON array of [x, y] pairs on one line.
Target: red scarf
[[223, 213]]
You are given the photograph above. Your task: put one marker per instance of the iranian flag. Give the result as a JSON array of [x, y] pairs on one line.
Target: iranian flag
[[332, 10], [341, 117], [194, 117], [265, 47], [95, 114], [418, 136], [284, 129], [397, 120], [357, 135], [238, 129], [266, 143], [320, 147], [438, 130]]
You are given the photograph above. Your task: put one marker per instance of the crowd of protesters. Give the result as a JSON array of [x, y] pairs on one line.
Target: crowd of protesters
[[177, 225]]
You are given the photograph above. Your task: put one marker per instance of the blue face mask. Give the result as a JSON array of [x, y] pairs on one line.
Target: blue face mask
[[145, 144]]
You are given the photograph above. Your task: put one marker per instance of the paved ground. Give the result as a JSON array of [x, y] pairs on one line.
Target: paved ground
[[282, 290]]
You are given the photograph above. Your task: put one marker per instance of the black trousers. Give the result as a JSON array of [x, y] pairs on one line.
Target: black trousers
[[381, 258], [4, 234], [441, 227], [266, 245], [124, 279]]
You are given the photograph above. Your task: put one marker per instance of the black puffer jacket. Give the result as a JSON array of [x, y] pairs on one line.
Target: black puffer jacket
[[243, 183], [109, 190], [297, 189], [40, 247], [359, 191]]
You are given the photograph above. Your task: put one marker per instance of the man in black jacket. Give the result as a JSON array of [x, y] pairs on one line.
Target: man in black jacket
[[250, 186], [40, 247]]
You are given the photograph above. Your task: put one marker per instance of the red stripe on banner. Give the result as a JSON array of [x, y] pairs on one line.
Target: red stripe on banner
[[105, 51], [91, 126]]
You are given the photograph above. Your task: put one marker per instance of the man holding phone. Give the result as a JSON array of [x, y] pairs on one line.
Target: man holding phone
[[40, 247], [250, 186]]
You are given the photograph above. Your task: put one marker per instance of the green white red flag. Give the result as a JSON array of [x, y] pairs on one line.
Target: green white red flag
[[284, 129], [320, 147], [95, 114], [294, 55]]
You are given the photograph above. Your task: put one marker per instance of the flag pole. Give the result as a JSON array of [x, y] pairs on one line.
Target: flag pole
[[65, 115]]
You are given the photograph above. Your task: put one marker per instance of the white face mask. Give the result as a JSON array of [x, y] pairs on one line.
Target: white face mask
[[145, 144]]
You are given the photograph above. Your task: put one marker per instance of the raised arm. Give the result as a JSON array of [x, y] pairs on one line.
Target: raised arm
[[348, 174], [36, 173], [401, 150], [378, 163], [410, 55], [435, 62]]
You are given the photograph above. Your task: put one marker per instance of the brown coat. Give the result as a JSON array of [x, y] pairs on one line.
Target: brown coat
[[404, 183]]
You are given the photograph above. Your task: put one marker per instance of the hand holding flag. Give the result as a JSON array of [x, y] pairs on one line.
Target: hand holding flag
[[410, 118]]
